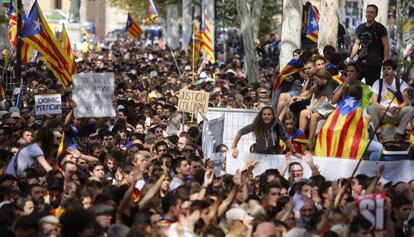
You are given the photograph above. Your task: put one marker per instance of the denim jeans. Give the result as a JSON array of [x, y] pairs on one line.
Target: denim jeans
[[374, 151]]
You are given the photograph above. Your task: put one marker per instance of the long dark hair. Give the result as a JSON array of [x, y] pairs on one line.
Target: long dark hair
[[259, 128], [44, 137]]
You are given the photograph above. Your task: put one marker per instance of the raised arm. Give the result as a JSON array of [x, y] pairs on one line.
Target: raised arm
[[234, 150], [224, 206]]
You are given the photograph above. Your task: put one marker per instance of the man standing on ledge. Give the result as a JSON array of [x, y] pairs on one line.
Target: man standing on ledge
[[371, 46]]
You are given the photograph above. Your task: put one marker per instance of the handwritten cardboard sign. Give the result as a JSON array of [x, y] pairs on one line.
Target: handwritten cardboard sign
[[193, 101], [93, 94]]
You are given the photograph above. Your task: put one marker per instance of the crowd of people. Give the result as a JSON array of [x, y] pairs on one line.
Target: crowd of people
[[141, 174]]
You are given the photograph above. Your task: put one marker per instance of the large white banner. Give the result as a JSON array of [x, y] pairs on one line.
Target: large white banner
[[331, 168], [48, 104], [93, 94]]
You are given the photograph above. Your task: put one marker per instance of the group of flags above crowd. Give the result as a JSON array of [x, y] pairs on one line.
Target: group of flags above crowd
[[58, 56], [200, 41], [36, 35]]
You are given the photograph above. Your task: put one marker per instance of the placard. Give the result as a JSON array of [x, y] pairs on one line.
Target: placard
[[193, 101], [371, 207], [93, 94], [48, 104]]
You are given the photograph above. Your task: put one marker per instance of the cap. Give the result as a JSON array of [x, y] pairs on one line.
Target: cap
[[101, 209], [15, 115], [237, 213], [119, 107], [296, 232], [49, 219], [14, 110]]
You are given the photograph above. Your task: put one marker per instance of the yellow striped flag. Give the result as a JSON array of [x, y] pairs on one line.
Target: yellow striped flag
[[62, 147], [68, 50], [153, 13], [38, 35], [339, 78], [27, 53], [195, 43], [345, 132], [2, 92], [412, 136], [207, 42], [132, 28], [312, 31], [13, 14], [291, 68]]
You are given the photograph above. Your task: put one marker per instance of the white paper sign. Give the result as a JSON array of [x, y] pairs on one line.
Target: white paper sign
[[48, 104], [330, 168], [93, 94]]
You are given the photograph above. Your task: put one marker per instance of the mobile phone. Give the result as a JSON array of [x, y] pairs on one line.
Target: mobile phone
[[148, 121]]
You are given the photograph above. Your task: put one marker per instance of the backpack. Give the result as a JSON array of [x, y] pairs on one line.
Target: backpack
[[397, 85]]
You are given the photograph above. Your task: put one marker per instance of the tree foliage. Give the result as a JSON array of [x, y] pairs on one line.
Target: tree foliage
[[139, 8], [227, 14]]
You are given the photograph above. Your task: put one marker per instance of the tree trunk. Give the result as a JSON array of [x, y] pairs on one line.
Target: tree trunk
[[382, 5], [328, 24], [256, 14], [291, 30], [246, 29], [173, 39], [186, 24]]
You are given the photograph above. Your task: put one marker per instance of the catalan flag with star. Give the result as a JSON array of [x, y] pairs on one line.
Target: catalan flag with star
[[132, 28], [312, 30], [207, 41], [153, 13], [345, 133], [38, 35], [291, 68]]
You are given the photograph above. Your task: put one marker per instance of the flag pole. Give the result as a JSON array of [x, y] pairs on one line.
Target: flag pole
[[193, 55], [172, 54], [18, 67], [369, 142]]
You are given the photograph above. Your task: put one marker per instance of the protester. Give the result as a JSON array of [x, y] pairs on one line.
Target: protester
[[143, 173], [371, 45]]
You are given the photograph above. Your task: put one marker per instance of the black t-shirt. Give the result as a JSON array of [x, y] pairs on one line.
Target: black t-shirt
[[370, 38]]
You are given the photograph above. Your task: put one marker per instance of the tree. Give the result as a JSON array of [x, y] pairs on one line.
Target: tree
[[249, 31], [328, 24], [291, 30]]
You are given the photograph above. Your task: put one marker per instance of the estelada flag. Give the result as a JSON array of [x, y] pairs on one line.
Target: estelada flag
[[345, 132], [312, 31], [291, 68], [153, 13], [132, 28], [37, 34]]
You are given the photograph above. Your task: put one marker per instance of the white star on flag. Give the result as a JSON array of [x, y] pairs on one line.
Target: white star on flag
[[314, 23], [37, 25], [349, 102]]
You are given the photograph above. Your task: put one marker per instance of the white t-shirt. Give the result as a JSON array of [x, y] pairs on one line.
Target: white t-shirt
[[386, 95]]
